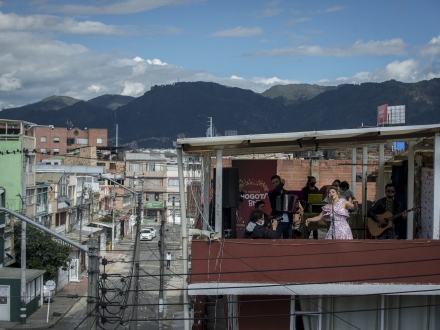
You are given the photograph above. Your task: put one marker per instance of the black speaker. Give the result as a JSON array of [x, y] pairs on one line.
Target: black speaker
[[230, 191]]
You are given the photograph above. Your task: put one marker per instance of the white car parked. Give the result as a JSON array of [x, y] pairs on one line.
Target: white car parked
[[153, 231], [146, 235]]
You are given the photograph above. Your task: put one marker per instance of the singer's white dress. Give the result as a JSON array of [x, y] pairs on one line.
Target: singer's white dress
[[342, 229]]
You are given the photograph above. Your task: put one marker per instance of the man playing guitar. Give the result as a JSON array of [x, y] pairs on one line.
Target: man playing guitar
[[387, 204]]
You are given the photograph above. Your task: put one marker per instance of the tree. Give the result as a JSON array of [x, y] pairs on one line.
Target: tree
[[42, 251]]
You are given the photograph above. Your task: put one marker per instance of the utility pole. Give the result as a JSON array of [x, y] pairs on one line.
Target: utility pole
[[93, 294], [174, 210], [80, 211], [23, 242], [136, 261], [117, 135], [113, 217], [162, 270]]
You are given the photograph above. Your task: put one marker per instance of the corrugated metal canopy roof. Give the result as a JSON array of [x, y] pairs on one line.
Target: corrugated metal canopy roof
[[48, 177], [303, 141]]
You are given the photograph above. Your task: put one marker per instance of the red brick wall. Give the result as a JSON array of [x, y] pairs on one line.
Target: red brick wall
[[62, 133], [296, 171]]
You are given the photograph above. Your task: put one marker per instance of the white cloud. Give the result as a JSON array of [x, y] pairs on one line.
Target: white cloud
[[431, 49], [359, 48], [14, 22], [9, 83], [33, 66], [96, 88], [403, 71], [115, 8], [133, 89], [296, 21], [239, 31], [409, 70]]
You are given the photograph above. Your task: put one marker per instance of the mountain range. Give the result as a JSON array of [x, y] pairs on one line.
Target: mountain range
[[182, 109]]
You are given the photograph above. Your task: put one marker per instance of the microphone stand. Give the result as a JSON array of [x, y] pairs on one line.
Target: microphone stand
[[333, 220]]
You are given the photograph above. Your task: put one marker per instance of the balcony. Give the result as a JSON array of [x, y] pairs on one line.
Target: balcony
[[30, 179], [29, 142], [325, 284], [313, 267], [42, 209]]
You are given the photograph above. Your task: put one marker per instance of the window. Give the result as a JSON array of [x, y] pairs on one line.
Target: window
[[70, 141], [56, 140], [30, 196], [38, 285], [154, 197], [173, 182], [135, 167], [99, 141], [193, 167], [154, 167], [7, 244], [70, 192], [100, 164], [31, 164], [43, 139], [56, 151], [42, 150], [113, 166], [175, 213], [154, 183], [82, 141], [176, 198]]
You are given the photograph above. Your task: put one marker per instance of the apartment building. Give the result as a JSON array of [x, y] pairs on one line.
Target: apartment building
[[60, 140], [154, 172]]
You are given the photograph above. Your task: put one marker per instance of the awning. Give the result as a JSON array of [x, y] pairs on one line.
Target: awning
[[304, 141], [103, 224], [124, 217]]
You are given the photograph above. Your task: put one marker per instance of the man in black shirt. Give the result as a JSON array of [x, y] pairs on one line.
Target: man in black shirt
[[387, 204], [310, 188]]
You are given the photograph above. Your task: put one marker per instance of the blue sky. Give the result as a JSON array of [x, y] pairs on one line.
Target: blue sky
[[85, 49]]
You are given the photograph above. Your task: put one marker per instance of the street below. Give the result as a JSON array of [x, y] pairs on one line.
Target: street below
[[114, 289]]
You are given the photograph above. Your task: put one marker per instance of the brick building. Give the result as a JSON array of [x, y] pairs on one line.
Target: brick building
[[60, 140]]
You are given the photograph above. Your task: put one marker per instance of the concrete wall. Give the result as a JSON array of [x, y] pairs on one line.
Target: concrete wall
[[10, 174]]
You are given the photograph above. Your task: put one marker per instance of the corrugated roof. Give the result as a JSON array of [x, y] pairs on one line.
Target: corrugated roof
[[48, 177], [15, 273], [71, 169], [304, 141]]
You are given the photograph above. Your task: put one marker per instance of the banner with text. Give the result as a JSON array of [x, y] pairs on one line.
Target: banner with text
[[254, 182]]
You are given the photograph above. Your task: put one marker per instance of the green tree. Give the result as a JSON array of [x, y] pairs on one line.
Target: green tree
[[42, 251]]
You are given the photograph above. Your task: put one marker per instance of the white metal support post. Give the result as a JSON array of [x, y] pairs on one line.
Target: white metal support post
[[292, 322], [353, 170], [93, 276], [364, 182], [410, 192], [218, 192], [380, 187], [23, 242], [137, 260], [184, 237], [436, 197], [206, 188], [113, 217]]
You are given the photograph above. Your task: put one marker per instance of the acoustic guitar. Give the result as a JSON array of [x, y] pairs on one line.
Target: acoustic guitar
[[376, 229]]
